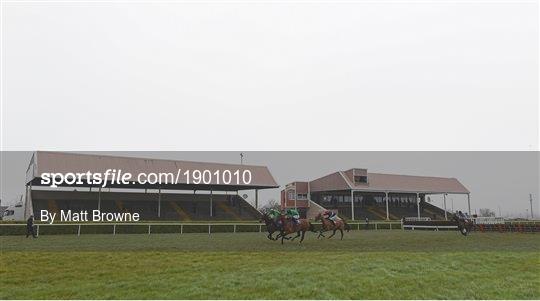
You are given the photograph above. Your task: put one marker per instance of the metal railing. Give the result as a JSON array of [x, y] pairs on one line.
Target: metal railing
[[233, 227]]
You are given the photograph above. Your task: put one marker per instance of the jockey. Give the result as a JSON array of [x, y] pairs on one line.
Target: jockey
[[293, 214], [275, 215], [330, 215]]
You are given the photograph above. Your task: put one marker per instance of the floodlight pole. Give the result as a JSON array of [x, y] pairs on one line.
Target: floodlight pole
[[530, 200]]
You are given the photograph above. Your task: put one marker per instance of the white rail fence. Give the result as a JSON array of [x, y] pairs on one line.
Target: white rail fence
[[181, 227]]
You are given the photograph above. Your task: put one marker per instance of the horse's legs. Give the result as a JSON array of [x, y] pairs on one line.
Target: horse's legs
[[297, 235], [302, 238], [321, 233], [334, 233], [270, 236], [341, 230]]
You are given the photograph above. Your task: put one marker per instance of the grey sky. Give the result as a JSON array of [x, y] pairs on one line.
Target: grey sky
[[355, 75], [495, 179]]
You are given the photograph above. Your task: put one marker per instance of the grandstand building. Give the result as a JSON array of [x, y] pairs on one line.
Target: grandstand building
[[182, 200], [359, 194]]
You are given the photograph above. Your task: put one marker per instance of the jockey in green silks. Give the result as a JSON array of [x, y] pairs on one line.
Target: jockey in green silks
[[293, 214], [275, 216]]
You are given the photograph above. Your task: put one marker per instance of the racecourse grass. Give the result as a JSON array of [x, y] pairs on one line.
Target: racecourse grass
[[365, 265]]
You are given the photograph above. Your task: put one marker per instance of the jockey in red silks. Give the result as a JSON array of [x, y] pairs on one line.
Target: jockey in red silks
[[331, 216]]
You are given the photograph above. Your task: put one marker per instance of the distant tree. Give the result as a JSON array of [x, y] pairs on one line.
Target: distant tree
[[486, 212], [271, 204]]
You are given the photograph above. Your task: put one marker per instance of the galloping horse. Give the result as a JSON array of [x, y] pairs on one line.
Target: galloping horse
[[271, 226], [290, 227], [329, 226], [464, 225]]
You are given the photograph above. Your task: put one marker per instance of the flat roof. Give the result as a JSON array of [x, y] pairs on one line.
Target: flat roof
[[69, 162]]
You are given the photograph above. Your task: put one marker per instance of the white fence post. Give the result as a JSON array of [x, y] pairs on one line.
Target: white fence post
[[209, 229], [182, 229], [37, 231], [79, 230], [149, 229], [234, 228], [114, 229], [260, 228]]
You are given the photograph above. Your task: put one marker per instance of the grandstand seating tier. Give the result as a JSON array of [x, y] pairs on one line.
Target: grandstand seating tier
[[182, 207]]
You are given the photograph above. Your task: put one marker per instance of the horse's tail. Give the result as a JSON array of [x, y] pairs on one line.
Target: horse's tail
[[347, 227]]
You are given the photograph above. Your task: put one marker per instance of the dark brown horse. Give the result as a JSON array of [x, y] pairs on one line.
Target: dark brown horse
[[271, 226], [327, 225], [464, 225], [289, 226]]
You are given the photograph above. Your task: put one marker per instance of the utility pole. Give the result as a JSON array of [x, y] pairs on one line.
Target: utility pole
[[530, 200]]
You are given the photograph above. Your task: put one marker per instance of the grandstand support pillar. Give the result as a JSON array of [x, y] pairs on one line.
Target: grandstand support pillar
[[352, 204], [27, 195], [418, 203], [295, 197], [469, 203], [99, 199], [257, 199], [159, 203], [211, 203], [444, 202], [387, 212]]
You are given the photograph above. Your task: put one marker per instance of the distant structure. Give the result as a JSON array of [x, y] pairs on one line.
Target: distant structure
[[209, 199], [359, 194]]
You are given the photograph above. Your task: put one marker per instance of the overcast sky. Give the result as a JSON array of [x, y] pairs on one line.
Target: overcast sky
[[356, 75], [496, 179]]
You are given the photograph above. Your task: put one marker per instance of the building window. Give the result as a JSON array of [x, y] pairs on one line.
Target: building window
[[302, 196], [360, 179], [291, 195]]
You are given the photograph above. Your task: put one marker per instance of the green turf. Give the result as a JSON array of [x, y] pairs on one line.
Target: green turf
[[365, 265]]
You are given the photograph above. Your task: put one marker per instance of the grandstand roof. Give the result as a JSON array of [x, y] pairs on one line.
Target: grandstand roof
[[378, 182], [68, 162]]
